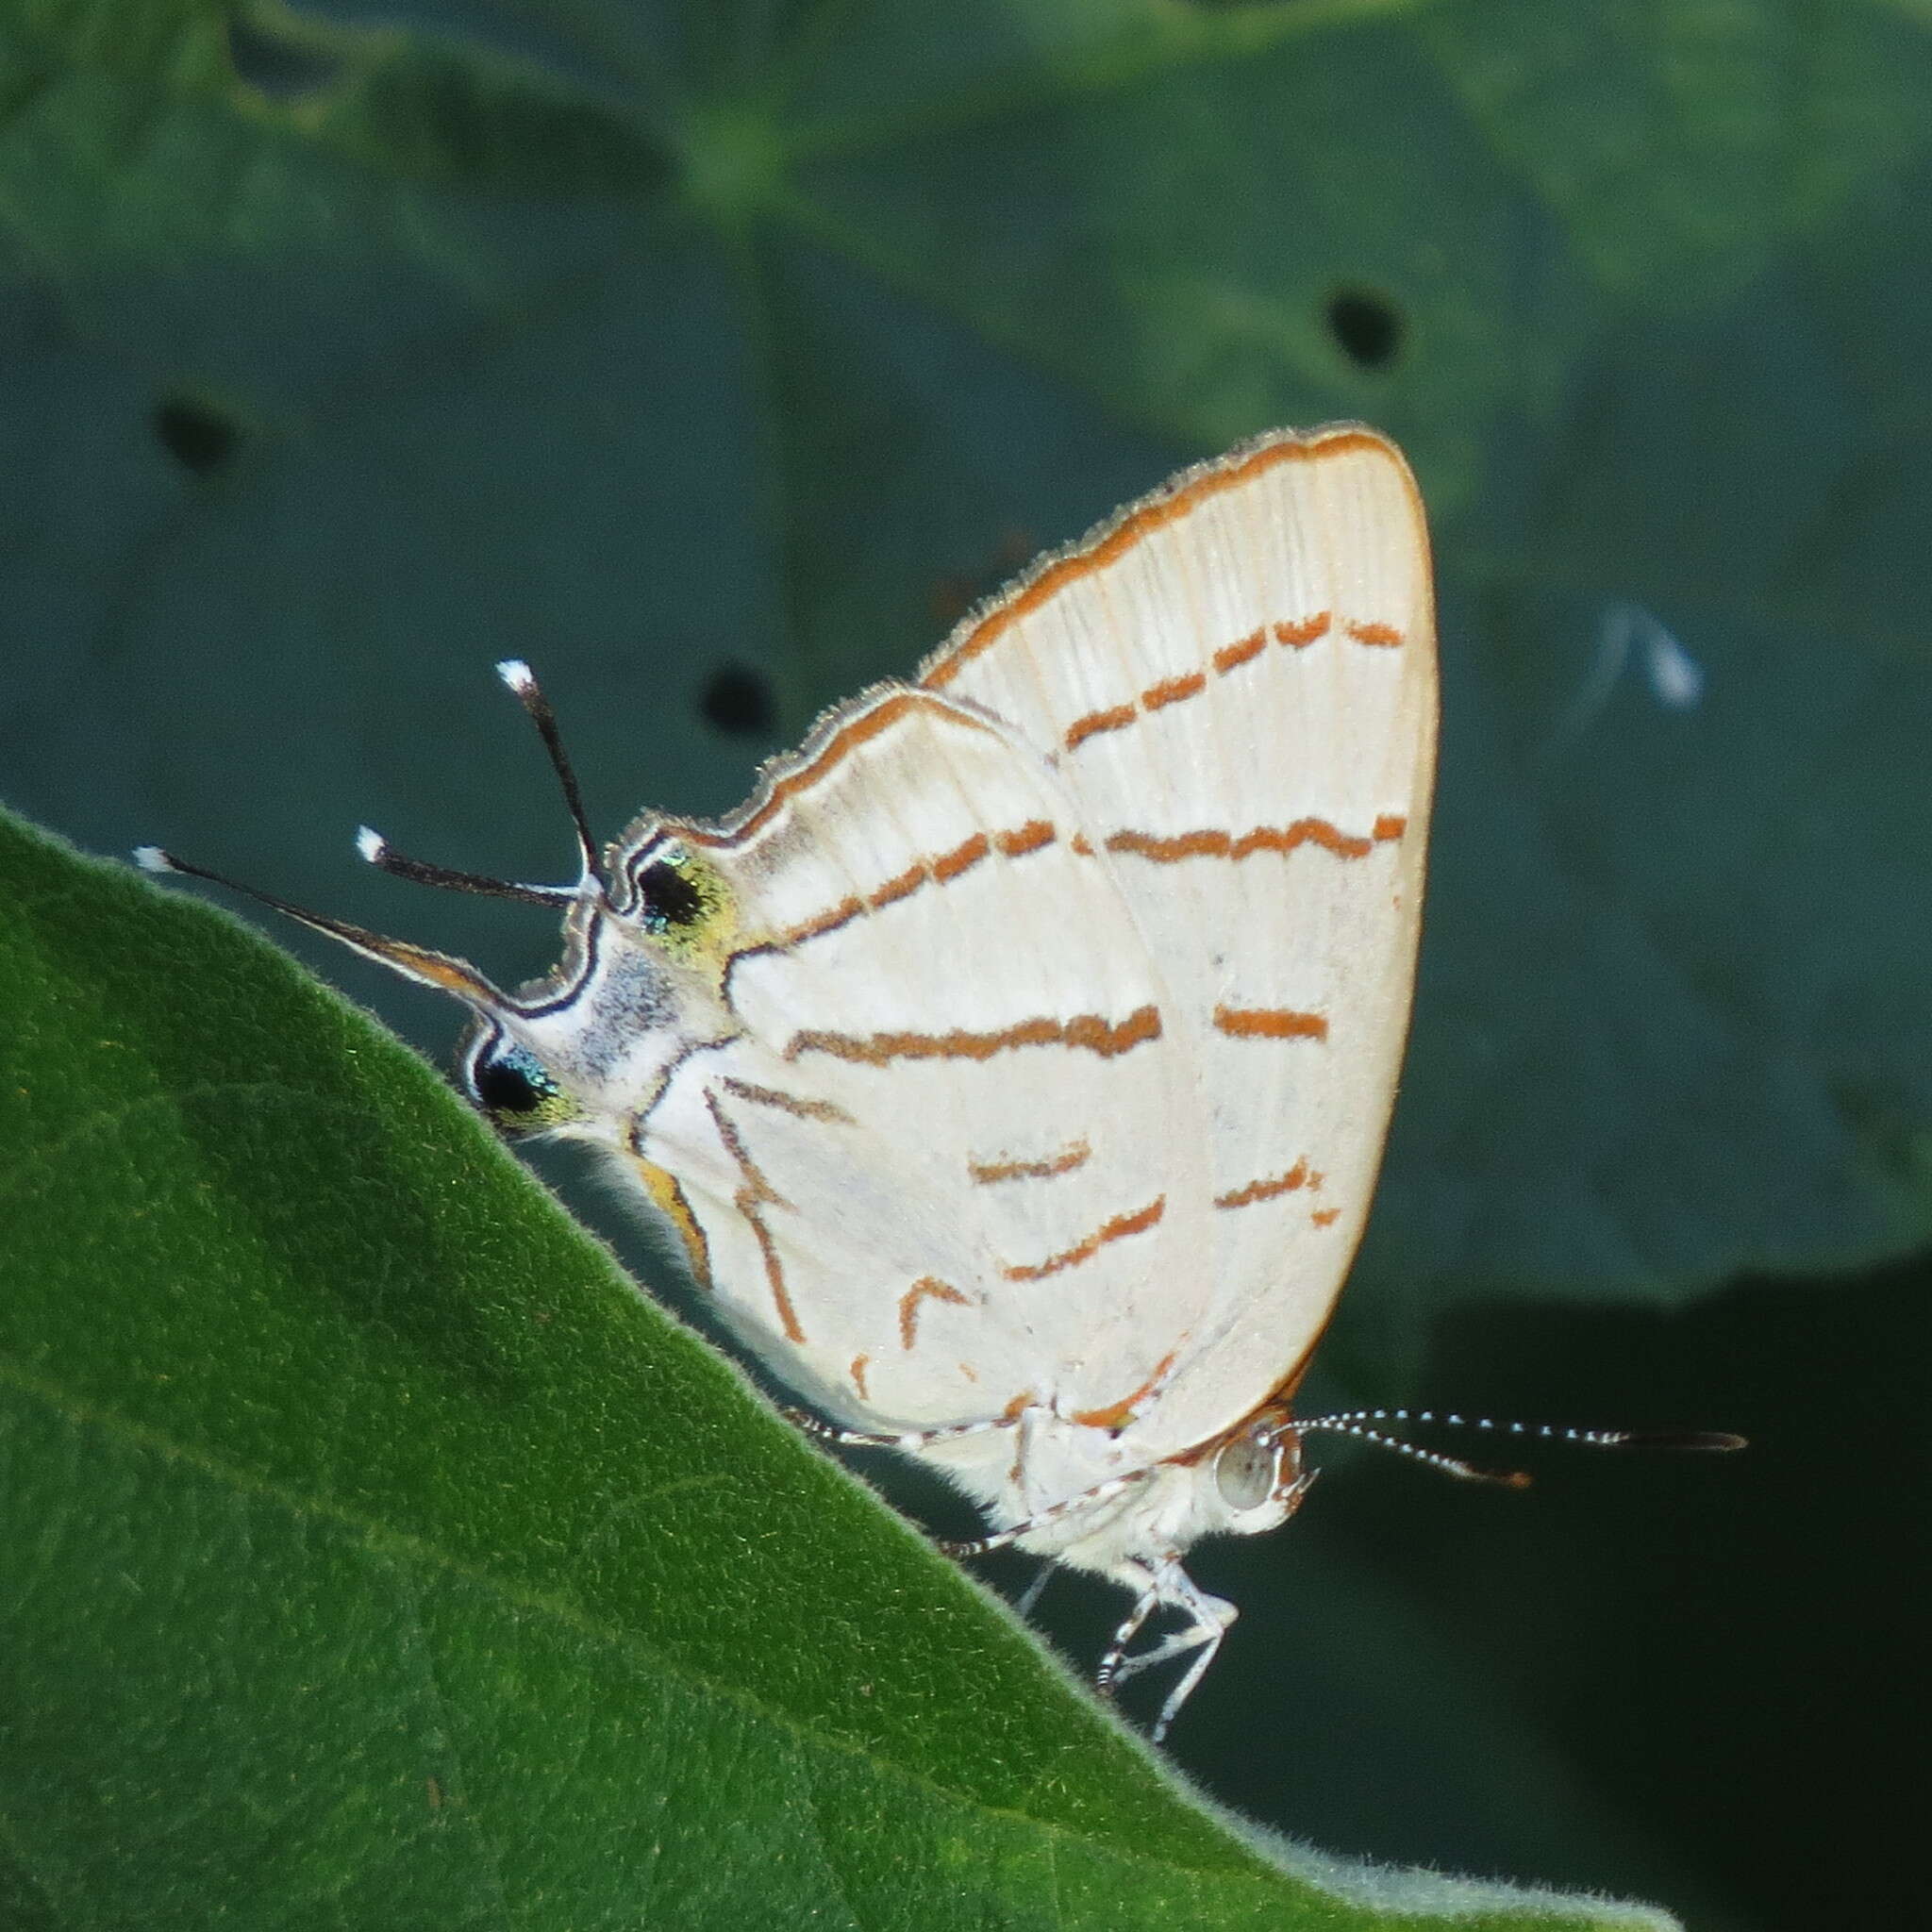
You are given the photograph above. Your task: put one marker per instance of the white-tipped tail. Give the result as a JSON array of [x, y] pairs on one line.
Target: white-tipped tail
[[152, 858], [516, 674], [370, 844]]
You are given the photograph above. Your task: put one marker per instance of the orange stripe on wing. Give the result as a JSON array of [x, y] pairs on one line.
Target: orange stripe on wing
[[1297, 1176], [1322, 832], [1094, 722], [1172, 690], [927, 1288], [1297, 633], [758, 1193], [1088, 1031], [1117, 1415], [940, 869], [1024, 839], [796, 1105], [1118, 1229], [1242, 651], [1298, 637], [899, 885], [1269, 1023], [962, 858], [843, 913], [1072, 1155], [1164, 849]]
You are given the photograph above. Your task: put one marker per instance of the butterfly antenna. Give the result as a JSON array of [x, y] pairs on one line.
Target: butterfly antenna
[[530, 693], [1434, 1458], [1364, 1426], [385, 858], [419, 963]]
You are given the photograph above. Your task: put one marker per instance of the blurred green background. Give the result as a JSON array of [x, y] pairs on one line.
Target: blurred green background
[[717, 357]]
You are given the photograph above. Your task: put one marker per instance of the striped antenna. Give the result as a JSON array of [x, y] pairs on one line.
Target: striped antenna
[[1361, 1424]]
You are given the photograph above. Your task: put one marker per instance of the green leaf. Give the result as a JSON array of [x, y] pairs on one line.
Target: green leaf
[[378, 1557]]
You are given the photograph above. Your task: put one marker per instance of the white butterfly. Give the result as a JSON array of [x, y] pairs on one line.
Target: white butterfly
[[1015, 1066]]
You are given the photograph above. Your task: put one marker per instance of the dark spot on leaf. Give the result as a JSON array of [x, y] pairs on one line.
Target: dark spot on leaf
[[1369, 328], [739, 699], [280, 69], [198, 436]]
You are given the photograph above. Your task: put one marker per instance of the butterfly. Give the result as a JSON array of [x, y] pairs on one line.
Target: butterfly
[[1015, 1066]]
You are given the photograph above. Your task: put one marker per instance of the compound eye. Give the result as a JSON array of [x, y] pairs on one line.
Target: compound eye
[[515, 1089], [1247, 1468]]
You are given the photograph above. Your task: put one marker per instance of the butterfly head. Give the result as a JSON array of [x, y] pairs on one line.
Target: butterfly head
[[1258, 1477], [580, 1051], [641, 981]]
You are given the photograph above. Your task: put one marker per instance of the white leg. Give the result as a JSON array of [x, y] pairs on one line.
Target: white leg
[[1113, 1664], [1028, 1600], [1100, 1492], [911, 1440], [1209, 1639], [1167, 1586]]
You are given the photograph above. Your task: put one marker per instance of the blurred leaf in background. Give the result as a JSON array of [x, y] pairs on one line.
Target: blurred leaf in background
[[717, 357]]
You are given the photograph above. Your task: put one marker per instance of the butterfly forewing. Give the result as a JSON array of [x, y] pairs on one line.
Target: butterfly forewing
[[1236, 681]]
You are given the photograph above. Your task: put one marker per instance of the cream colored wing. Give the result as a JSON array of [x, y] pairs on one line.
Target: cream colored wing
[[936, 1171], [1236, 680]]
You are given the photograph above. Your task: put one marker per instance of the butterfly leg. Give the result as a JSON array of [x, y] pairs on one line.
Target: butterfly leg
[[1100, 1492], [1165, 1585], [911, 1440], [1028, 1600], [916, 1439], [1113, 1665]]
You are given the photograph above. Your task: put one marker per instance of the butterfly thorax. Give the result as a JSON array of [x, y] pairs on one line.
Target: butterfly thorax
[[1090, 1498]]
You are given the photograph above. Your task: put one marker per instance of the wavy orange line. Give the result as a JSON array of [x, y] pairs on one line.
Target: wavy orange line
[[1085, 1030], [1117, 1229]]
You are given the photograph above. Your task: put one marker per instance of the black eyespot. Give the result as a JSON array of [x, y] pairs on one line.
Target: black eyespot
[[505, 1088], [668, 897], [1368, 327], [513, 1086]]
